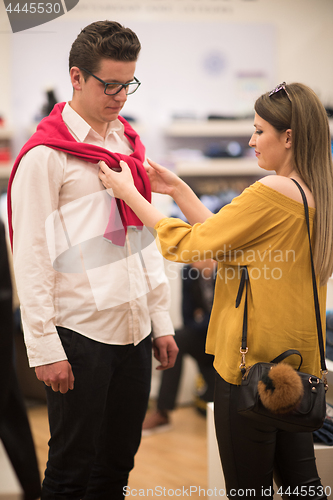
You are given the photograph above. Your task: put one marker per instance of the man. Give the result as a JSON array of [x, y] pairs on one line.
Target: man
[[90, 279]]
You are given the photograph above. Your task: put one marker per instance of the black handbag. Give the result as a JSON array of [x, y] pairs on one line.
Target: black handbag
[[308, 408]]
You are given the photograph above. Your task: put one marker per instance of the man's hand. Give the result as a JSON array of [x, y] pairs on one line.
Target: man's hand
[[58, 375], [165, 351]]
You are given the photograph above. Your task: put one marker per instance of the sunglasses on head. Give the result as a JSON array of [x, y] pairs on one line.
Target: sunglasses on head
[[281, 86]]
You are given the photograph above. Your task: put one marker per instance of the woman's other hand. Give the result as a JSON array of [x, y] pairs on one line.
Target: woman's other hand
[[121, 182], [161, 179]]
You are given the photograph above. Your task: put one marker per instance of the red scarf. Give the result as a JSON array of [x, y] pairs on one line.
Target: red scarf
[[53, 132]]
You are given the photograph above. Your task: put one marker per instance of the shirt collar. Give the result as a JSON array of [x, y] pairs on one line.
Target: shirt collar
[[81, 129]]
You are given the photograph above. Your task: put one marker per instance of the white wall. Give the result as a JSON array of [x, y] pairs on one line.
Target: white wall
[[285, 40], [5, 64]]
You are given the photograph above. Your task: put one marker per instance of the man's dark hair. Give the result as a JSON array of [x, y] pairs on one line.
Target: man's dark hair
[[103, 40]]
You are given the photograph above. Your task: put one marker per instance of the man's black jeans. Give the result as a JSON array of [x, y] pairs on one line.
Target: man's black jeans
[[96, 428]]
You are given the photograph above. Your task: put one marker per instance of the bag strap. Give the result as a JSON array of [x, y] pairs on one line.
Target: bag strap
[[314, 284], [244, 282]]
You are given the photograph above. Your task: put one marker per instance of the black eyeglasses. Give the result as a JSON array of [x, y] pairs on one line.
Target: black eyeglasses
[[114, 88], [281, 86]]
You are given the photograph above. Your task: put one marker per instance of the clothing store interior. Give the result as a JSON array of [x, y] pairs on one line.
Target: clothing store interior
[[202, 65]]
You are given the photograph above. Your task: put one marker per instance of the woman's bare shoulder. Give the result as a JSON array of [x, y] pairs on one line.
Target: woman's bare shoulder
[[287, 187]]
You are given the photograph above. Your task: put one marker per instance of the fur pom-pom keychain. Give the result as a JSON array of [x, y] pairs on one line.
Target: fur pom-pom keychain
[[281, 389]]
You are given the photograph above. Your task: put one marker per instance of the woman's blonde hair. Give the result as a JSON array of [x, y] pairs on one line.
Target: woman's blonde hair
[[295, 106]]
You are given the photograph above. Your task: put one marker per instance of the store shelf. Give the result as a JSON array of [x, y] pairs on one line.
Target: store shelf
[[210, 128], [214, 128], [220, 167], [5, 170], [6, 133]]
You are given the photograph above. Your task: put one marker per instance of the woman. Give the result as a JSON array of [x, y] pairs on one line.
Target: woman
[[264, 228]]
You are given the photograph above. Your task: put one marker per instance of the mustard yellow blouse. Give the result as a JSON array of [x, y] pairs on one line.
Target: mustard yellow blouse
[[266, 231]]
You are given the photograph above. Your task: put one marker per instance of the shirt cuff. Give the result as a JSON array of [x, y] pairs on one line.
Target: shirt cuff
[[162, 324], [43, 349]]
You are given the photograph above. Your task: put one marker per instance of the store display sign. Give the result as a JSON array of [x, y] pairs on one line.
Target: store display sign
[[24, 15]]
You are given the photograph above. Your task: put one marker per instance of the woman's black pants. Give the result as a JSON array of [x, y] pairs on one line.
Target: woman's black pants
[[251, 453]]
